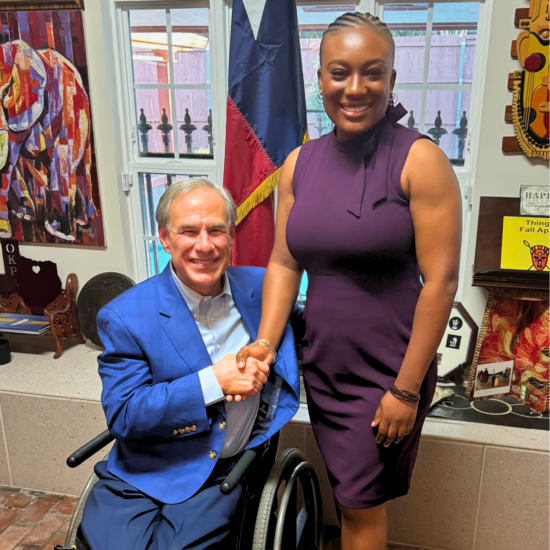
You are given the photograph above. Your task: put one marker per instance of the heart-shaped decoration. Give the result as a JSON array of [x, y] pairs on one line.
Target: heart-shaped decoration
[[36, 268]]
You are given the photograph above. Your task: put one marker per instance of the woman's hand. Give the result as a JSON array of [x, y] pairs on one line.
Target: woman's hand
[[259, 352], [394, 418]]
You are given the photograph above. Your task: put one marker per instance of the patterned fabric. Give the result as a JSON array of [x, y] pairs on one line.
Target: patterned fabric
[[517, 330], [531, 357]]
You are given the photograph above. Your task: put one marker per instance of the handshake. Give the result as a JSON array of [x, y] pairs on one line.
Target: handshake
[[239, 382]]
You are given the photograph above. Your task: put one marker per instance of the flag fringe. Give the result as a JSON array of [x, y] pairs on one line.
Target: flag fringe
[[258, 195], [261, 192]]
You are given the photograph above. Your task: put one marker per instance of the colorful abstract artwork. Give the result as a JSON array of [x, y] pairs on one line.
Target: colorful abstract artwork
[[49, 188]]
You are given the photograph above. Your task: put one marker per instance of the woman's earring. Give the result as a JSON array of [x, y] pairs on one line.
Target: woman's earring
[[320, 97], [393, 99]]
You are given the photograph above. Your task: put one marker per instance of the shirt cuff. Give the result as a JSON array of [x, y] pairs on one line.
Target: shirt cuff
[[210, 388]]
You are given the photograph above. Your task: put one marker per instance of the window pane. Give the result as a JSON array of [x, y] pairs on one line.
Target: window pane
[[191, 46], [158, 258], [149, 46], [410, 14], [154, 123], [312, 22], [445, 110], [165, 44], [410, 48], [194, 124], [454, 38], [408, 27], [318, 123], [412, 101]]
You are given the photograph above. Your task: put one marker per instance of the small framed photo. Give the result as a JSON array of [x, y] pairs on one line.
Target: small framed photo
[[32, 5], [457, 346], [493, 378]]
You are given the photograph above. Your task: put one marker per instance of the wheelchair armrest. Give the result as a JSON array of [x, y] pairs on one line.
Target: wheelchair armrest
[[89, 449], [238, 471]]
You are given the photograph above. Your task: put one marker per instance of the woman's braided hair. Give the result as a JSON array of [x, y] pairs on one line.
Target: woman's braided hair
[[357, 19]]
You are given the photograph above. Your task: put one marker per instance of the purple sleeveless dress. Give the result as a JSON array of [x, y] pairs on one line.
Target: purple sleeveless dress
[[351, 229]]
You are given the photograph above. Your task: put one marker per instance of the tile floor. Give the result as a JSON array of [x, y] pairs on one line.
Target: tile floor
[[30, 520]]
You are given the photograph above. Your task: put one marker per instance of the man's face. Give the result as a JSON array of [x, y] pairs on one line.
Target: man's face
[[200, 240]]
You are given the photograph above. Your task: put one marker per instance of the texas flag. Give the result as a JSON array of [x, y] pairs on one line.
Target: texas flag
[[266, 117]]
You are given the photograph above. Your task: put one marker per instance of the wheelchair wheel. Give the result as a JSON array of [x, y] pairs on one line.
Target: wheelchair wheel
[[79, 510], [279, 524]]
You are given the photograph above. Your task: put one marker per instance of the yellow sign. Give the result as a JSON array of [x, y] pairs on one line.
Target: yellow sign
[[525, 243]]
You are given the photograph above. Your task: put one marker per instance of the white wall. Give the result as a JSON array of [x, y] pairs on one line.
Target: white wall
[[88, 261], [497, 174]]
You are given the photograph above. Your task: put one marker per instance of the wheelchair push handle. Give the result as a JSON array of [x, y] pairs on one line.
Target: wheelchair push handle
[[238, 471], [89, 449]]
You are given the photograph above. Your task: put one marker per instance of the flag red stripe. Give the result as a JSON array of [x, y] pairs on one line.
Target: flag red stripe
[[255, 235], [246, 162]]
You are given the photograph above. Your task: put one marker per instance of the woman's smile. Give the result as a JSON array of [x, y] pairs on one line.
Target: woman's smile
[[354, 110]]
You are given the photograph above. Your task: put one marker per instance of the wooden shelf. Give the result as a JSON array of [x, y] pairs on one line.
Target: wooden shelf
[[487, 270]]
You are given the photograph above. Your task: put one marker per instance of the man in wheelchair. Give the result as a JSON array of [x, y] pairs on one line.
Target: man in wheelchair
[[181, 411]]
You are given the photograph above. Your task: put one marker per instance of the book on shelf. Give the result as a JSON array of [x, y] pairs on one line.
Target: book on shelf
[[24, 324]]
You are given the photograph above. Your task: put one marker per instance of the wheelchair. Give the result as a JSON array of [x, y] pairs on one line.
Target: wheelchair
[[280, 508]]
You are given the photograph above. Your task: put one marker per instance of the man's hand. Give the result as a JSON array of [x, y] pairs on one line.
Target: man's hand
[[394, 418], [240, 383]]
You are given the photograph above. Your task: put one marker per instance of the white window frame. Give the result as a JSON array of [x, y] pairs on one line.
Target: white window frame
[[211, 168], [219, 36]]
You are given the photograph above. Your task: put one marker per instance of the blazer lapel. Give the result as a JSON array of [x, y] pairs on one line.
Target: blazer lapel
[[179, 325], [246, 302]]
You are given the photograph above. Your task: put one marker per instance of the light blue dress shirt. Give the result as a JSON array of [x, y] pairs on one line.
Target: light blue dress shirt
[[223, 331]]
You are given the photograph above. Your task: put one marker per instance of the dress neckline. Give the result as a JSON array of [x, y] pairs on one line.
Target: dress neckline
[[356, 144]]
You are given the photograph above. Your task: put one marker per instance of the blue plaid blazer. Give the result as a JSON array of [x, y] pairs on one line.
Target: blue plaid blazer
[[151, 388]]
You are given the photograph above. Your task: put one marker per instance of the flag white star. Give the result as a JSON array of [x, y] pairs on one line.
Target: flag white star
[[255, 10]]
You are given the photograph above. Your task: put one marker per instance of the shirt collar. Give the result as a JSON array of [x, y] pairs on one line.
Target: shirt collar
[[193, 299]]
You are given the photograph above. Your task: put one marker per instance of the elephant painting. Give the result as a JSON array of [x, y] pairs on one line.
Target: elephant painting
[[49, 189]]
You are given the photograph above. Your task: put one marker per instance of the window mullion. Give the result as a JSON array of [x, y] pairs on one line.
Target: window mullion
[[128, 107], [428, 46], [172, 81]]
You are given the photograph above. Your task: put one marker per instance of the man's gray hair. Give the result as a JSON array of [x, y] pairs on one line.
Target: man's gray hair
[[182, 187]]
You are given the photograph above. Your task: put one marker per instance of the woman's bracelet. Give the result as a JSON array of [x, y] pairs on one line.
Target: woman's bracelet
[[268, 345], [406, 396]]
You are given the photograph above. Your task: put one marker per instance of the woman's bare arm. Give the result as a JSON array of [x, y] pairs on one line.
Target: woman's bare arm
[[283, 275], [435, 204], [430, 183]]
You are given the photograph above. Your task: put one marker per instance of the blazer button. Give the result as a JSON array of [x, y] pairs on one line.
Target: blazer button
[[222, 425], [181, 431], [175, 432], [212, 454], [193, 428], [187, 429]]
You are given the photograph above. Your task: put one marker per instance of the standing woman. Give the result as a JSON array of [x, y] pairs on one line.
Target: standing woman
[[366, 210]]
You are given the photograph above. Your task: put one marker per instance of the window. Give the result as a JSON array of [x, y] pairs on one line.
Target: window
[[173, 100], [435, 47]]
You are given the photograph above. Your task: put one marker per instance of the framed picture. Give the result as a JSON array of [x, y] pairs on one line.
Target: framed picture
[[457, 346], [29, 5], [48, 169]]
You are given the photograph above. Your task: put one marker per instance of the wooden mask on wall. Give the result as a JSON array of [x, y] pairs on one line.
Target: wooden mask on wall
[[531, 98]]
